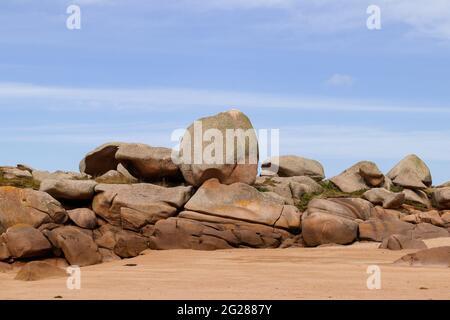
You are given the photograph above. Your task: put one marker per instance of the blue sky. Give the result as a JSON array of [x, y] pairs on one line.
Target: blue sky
[[136, 70]]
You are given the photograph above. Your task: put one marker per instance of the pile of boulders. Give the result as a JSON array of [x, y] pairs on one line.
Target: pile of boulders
[[129, 197]]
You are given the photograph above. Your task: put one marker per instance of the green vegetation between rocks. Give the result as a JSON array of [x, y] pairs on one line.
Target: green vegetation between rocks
[[19, 182], [329, 191]]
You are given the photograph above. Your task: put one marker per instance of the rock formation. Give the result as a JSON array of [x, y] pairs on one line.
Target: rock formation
[[132, 197]]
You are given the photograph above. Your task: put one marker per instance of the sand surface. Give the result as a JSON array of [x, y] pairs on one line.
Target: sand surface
[[313, 273]]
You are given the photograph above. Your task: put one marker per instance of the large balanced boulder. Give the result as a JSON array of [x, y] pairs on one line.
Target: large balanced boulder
[[65, 189], [28, 206], [411, 172], [223, 146], [361, 176], [439, 256], [242, 202], [136, 205], [202, 232], [291, 166], [100, 160], [77, 245], [441, 198], [147, 163], [333, 220], [24, 241], [39, 270], [388, 199]]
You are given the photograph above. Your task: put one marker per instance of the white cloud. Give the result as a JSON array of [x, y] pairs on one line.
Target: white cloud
[[340, 80], [426, 18], [16, 95]]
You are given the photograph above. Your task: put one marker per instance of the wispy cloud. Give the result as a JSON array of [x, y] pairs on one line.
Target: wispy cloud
[[18, 95], [429, 18], [340, 80]]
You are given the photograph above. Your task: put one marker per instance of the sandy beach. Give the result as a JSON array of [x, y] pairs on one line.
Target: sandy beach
[[298, 273]]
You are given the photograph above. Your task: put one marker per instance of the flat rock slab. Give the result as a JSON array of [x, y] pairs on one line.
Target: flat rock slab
[[242, 202], [429, 257], [38, 270]]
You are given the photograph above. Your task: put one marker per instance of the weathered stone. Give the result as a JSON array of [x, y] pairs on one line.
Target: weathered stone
[[333, 220], [190, 232], [293, 242], [58, 175], [351, 180], [446, 218], [65, 189], [446, 184], [14, 173], [108, 255], [352, 208], [290, 189], [5, 267], [38, 270], [411, 172], [129, 244], [432, 217], [105, 236], [49, 226], [57, 262], [441, 198], [388, 184], [101, 160], [385, 214], [277, 198], [424, 231], [25, 167], [237, 166], [417, 196], [24, 241], [323, 228], [291, 166], [4, 252], [29, 207], [402, 242], [115, 177], [378, 230], [242, 202], [388, 199], [371, 175], [429, 257], [148, 163], [83, 217], [116, 202], [78, 247]]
